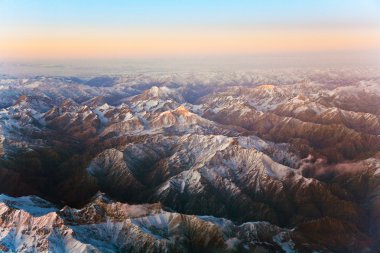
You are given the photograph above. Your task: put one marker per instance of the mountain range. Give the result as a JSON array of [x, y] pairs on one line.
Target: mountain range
[[260, 161]]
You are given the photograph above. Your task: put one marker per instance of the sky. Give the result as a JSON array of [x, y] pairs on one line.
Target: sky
[[119, 29]]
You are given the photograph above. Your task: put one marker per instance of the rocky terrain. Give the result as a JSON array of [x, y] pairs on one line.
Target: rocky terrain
[[259, 161]]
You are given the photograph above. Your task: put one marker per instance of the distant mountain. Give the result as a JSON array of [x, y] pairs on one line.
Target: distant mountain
[[102, 81]]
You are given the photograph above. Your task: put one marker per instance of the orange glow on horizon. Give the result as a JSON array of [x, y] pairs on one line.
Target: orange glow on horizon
[[196, 43]]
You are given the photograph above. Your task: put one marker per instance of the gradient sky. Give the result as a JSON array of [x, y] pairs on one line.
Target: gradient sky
[[86, 29]]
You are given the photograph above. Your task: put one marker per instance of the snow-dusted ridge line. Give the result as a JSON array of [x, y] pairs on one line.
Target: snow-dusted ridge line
[[107, 226]]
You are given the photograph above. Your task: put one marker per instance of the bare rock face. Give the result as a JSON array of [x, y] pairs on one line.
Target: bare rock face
[[32, 223], [328, 138], [113, 173], [107, 226]]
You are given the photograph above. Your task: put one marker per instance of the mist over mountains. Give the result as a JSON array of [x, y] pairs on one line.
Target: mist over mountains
[[205, 161]]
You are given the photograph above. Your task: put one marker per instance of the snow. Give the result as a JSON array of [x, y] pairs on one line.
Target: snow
[[197, 147], [100, 113], [160, 91], [252, 142], [286, 245], [33, 85], [275, 170], [31, 204], [232, 243], [104, 107]]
